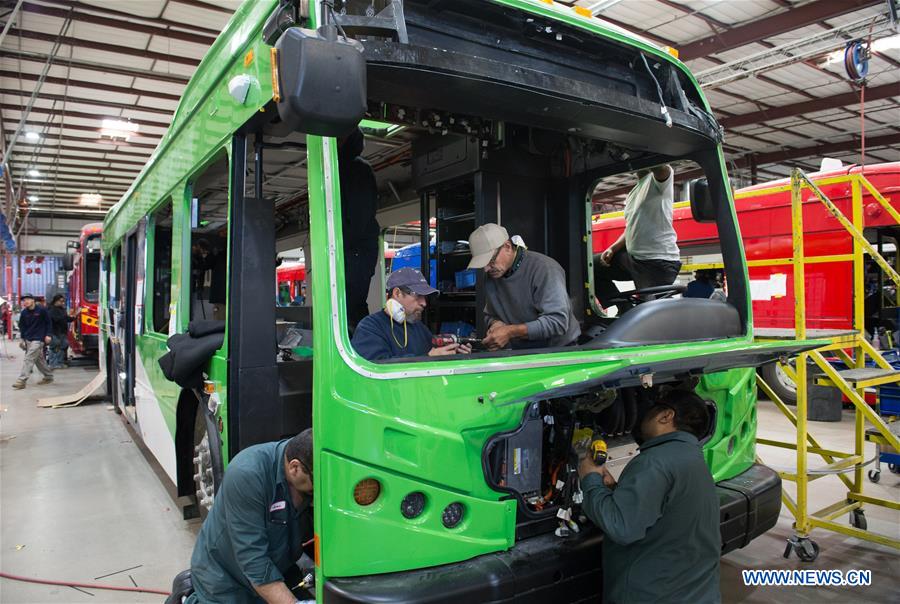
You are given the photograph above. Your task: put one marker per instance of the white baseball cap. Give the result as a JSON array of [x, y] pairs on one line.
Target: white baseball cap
[[484, 242]]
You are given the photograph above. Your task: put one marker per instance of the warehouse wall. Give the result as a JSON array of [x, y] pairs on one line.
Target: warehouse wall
[[49, 235]]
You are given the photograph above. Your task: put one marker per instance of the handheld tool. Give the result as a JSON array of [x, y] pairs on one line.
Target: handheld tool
[[445, 339], [598, 451]]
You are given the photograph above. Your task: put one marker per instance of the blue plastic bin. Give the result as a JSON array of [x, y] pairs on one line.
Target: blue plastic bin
[[465, 279]]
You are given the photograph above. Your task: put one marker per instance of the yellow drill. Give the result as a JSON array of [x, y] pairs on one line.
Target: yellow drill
[[598, 451]]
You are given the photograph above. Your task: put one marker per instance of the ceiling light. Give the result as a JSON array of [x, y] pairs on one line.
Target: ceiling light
[[884, 44], [33, 198], [32, 136], [34, 173], [118, 129], [90, 199]]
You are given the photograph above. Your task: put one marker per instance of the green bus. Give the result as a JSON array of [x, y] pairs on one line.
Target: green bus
[[436, 479]]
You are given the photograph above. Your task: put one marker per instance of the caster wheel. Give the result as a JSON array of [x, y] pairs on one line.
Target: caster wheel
[[806, 549], [858, 519], [894, 468], [874, 476]]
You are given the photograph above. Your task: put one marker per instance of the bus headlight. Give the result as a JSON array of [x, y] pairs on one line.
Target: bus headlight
[[452, 515], [412, 505]]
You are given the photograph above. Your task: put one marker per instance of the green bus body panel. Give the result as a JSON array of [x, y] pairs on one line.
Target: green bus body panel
[[732, 449], [411, 433]]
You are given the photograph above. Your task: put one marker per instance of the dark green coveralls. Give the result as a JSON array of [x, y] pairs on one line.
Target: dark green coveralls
[[253, 534], [661, 538]]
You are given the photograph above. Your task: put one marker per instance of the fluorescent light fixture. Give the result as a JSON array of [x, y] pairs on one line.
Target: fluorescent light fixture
[[34, 173], [118, 129], [33, 198], [31, 135], [90, 199], [891, 43]]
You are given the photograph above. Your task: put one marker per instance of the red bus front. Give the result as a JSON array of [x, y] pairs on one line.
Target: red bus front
[[84, 292]]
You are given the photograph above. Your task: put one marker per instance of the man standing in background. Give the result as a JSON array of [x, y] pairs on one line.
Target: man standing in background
[[34, 329], [60, 320]]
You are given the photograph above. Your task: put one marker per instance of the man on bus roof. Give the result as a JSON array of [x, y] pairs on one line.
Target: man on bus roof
[[647, 251], [258, 526], [527, 305], [397, 329]]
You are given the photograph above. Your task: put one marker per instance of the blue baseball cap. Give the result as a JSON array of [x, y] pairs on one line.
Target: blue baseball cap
[[411, 279]]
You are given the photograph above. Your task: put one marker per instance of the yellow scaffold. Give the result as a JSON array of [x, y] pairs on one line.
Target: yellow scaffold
[[853, 349]]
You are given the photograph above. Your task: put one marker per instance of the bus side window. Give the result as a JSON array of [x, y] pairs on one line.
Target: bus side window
[[209, 241], [161, 285]]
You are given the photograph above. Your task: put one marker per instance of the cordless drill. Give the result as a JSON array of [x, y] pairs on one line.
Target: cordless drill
[[598, 451], [588, 442], [445, 339]]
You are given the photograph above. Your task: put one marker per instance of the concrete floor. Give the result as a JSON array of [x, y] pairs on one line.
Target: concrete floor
[[79, 501], [77, 498]]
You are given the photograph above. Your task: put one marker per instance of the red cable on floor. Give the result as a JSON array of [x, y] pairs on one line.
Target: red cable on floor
[[83, 585]]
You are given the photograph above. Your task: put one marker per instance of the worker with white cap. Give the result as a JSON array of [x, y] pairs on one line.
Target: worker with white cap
[[527, 305]]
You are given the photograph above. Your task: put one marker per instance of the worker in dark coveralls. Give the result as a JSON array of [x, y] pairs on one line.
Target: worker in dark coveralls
[[257, 526], [397, 330], [359, 202], [660, 523]]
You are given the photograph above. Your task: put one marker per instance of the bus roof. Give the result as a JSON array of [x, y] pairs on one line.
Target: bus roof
[[882, 169], [235, 44]]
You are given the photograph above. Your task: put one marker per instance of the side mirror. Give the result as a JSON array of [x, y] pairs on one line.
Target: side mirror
[[702, 207], [321, 81], [68, 261]]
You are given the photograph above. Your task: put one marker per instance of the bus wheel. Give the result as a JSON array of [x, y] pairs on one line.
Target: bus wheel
[[204, 475], [780, 383]]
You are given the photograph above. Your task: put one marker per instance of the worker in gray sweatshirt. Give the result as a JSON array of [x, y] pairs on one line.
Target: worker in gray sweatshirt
[[527, 305]]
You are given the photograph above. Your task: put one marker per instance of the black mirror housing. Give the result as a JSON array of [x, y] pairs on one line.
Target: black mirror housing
[[68, 262], [702, 207], [321, 81]]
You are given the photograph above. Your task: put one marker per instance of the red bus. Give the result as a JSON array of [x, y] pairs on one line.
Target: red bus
[[83, 260], [765, 223], [291, 282]]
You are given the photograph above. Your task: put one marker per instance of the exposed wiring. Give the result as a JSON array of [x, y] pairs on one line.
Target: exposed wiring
[[662, 102], [145, 590]]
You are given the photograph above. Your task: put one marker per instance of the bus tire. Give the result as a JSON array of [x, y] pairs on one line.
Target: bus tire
[[779, 382], [207, 461]]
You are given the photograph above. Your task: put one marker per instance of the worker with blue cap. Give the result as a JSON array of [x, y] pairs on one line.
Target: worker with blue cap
[[397, 329]]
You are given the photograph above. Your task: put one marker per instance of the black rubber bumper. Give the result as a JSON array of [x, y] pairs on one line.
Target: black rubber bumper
[[749, 505], [540, 569], [546, 569]]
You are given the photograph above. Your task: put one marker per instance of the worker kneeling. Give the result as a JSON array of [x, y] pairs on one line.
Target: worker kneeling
[[256, 529], [661, 539], [397, 330]]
